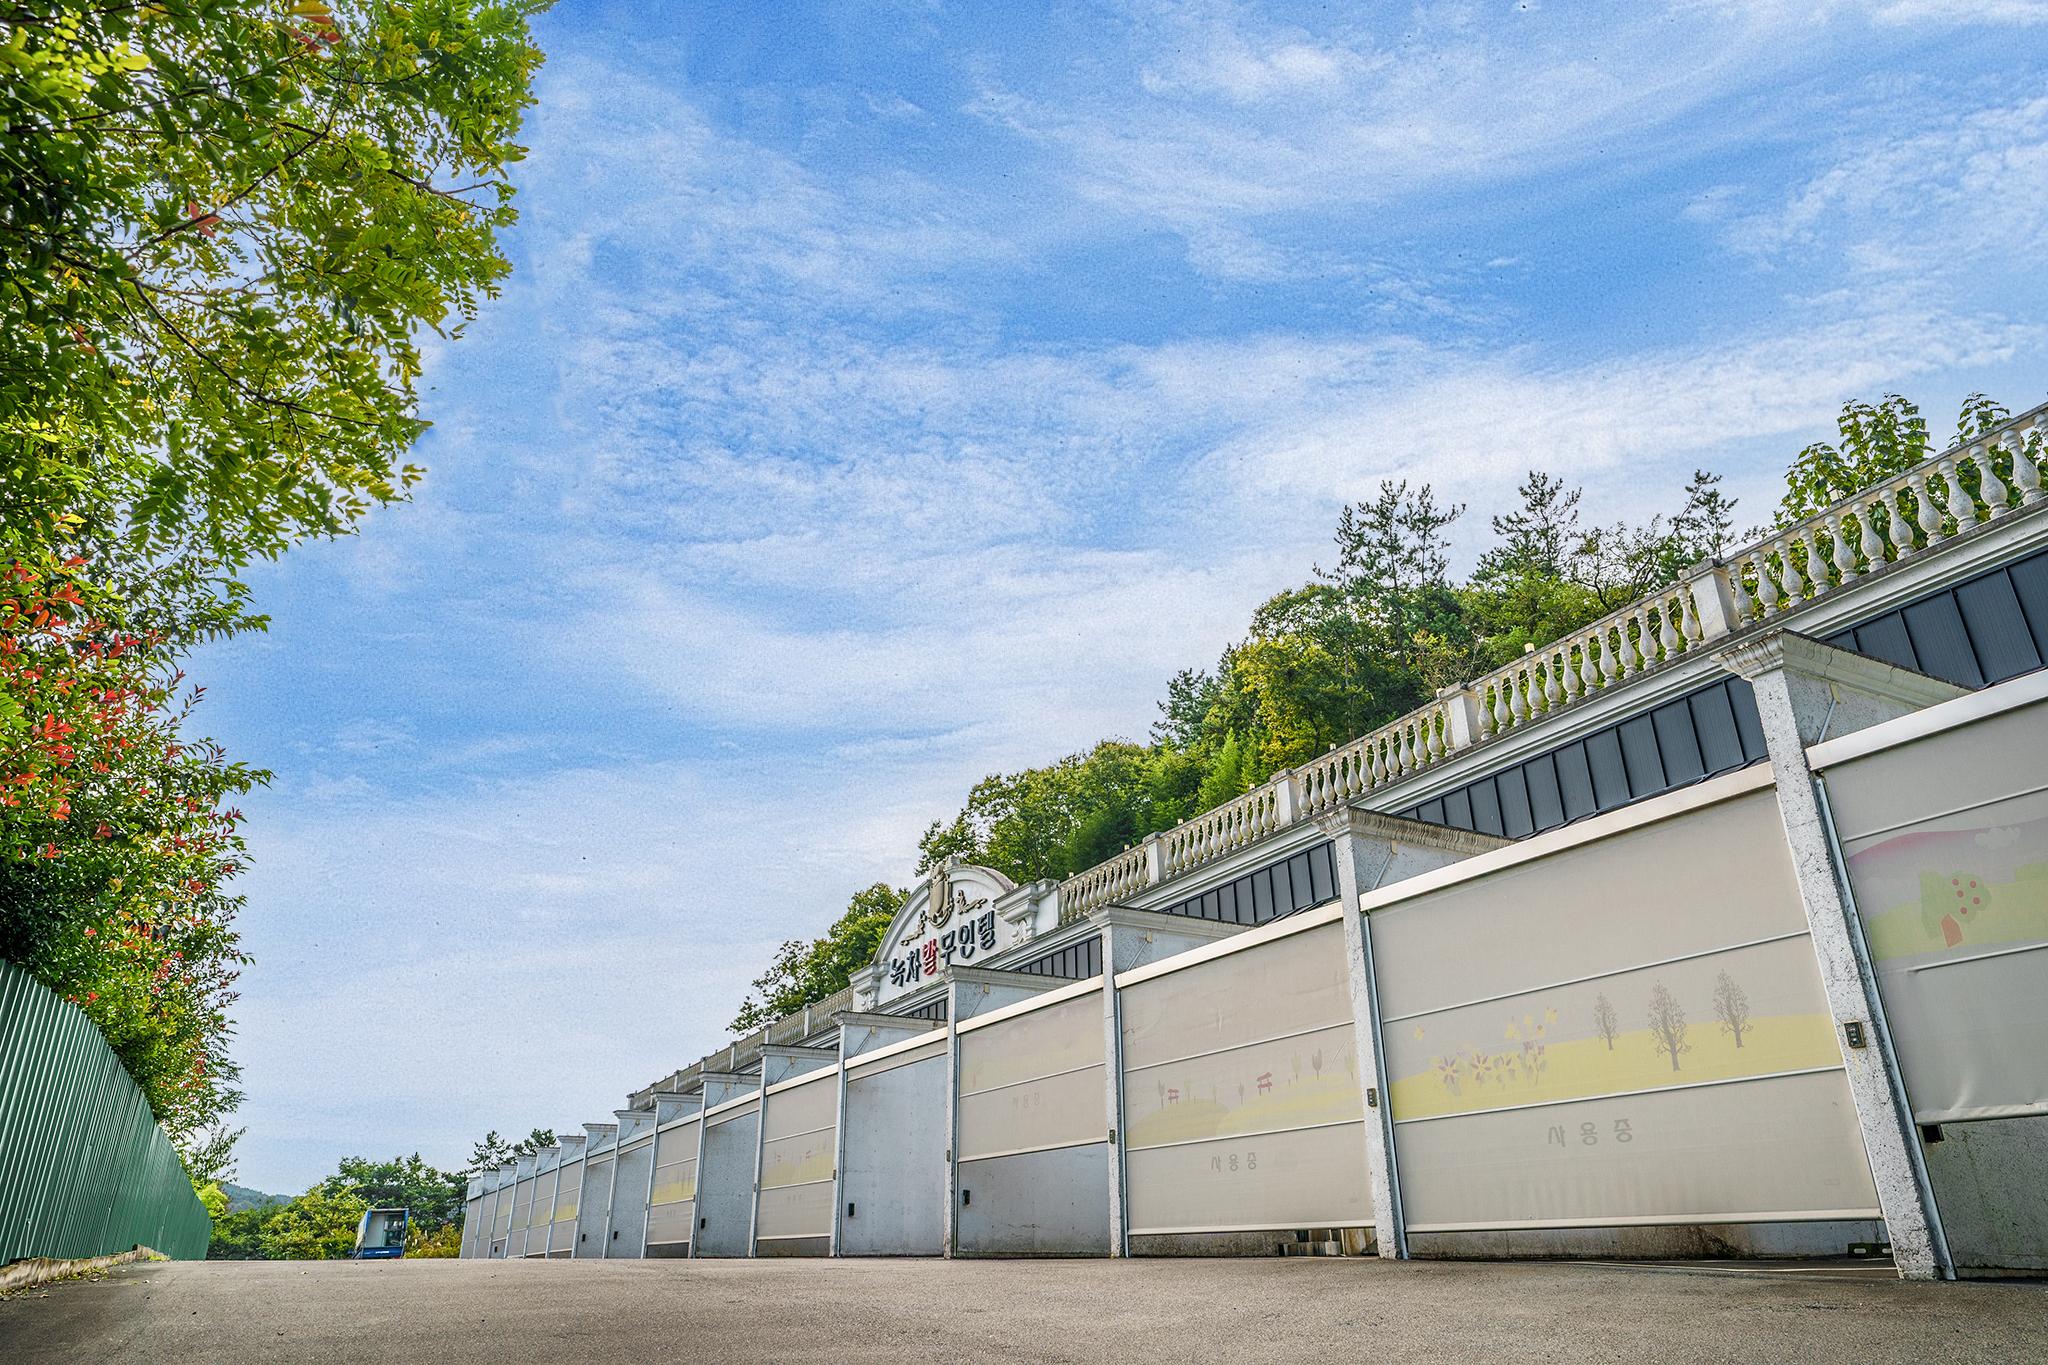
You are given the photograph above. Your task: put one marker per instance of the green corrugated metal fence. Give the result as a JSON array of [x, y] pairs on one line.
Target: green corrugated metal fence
[[84, 1169]]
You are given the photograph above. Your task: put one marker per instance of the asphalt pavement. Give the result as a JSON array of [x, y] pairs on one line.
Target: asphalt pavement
[[640, 1312]]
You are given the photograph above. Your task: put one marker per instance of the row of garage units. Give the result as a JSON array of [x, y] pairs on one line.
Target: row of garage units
[[1611, 1038]]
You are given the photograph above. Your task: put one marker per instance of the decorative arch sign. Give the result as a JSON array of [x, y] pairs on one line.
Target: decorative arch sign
[[961, 915]]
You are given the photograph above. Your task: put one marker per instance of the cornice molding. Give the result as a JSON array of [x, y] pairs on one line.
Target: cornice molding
[[1398, 830], [996, 976], [1158, 922], [1807, 657], [869, 1019]]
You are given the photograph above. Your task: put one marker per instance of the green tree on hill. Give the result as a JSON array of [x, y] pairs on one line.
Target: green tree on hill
[[493, 1151], [804, 973]]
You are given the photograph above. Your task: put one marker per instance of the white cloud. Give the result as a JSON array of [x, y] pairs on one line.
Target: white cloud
[[1968, 186], [621, 162], [1961, 11], [370, 735], [1212, 118], [1474, 425], [526, 952]]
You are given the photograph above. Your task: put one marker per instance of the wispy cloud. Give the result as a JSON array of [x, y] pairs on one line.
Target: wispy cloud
[[1212, 118], [1968, 185]]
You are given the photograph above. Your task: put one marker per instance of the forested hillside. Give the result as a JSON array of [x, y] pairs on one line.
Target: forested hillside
[[1363, 640]]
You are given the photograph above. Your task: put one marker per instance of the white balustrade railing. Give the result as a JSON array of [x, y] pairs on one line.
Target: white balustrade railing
[[1971, 483], [1907, 514], [1122, 876], [1216, 833], [1392, 752], [1617, 647]]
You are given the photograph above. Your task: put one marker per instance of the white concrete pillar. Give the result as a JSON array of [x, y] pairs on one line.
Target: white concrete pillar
[[1286, 797], [1461, 717], [611, 1206], [760, 1142], [1802, 688], [838, 1144], [1713, 601], [951, 1226]]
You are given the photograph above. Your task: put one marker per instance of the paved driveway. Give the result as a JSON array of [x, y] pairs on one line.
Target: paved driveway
[[641, 1312]]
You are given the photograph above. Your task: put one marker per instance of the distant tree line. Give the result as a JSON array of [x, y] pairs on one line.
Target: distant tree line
[[321, 1223]]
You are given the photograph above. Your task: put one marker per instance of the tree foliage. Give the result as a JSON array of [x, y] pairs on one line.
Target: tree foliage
[[321, 1223], [116, 838], [318, 1225], [1876, 441], [493, 1151], [224, 229], [805, 973], [433, 1198]]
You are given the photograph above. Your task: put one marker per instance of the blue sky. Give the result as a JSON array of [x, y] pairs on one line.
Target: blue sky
[[888, 393]]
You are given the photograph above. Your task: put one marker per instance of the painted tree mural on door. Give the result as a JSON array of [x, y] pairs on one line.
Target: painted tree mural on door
[[1667, 1023], [1731, 1007], [1606, 1022]]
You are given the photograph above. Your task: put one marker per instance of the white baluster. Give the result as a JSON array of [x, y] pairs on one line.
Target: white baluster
[[1845, 555], [1610, 656], [1960, 507], [2025, 473], [1589, 667], [1816, 563], [1518, 704], [1791, 573], [1903, 522], [1928, 515], [1990, 488], [1745, 605], [1574, 684], [1769, 593], [1667, 628], [1689, 617], [1553, 686], [1868, 539]]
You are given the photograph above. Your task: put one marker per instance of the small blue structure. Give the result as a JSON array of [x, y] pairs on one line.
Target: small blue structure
[[381, 1234]]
